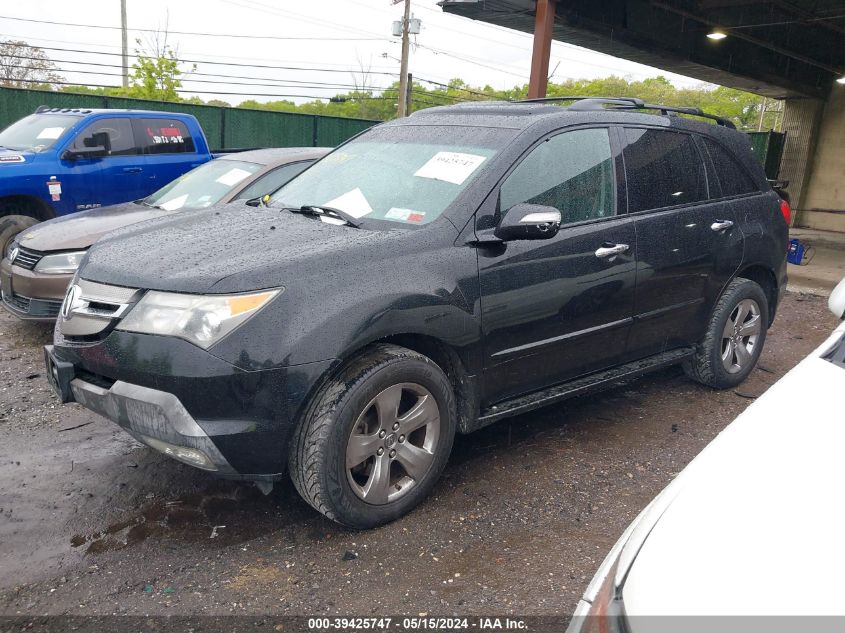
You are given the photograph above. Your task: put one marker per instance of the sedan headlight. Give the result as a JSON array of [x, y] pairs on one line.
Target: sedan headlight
[[11, 245], [200, 319], [61, 263]]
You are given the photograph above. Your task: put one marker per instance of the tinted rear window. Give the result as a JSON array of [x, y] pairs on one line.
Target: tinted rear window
[[164, 136], [663, 169], [733, 178]]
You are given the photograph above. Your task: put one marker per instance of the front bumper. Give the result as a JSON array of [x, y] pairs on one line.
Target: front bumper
[[187, 403], [30, 295]]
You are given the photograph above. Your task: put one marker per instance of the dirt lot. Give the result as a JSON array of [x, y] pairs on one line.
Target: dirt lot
[[93, 523]]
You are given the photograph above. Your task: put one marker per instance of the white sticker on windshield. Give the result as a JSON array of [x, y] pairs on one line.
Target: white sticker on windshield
[[175, 204], [233, 177], [51, 133], [353, 202], [405, 215], [451, 167]]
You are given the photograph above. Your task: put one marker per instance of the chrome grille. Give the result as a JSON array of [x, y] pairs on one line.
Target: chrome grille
[[93, 309], [27, 258]]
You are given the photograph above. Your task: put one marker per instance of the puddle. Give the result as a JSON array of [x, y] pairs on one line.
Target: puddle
[[236, 515]]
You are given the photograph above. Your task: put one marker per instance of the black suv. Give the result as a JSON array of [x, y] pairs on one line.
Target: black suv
[[428, 277]]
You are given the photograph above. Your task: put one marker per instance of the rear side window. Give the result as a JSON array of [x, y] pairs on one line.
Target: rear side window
[[733, 178], [164, 136], [663, 169], [269, 182], [113, 134], [572, 172]]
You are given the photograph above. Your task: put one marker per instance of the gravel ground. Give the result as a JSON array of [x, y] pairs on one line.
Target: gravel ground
[[91, 522]]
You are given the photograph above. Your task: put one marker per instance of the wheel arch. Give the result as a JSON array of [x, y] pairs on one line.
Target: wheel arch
[[464, 384], [764, 277], [25, 204]]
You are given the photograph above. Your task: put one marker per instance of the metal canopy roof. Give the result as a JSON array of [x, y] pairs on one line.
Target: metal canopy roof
[[777, 48]]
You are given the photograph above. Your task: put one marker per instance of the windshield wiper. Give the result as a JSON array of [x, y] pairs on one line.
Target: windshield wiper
[[332, 212]]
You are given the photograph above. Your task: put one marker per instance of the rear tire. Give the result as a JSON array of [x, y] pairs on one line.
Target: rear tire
[[11, 225], [374, 440], [734, 338]]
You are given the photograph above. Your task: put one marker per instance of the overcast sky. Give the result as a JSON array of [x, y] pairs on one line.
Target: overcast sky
[[327, 42]]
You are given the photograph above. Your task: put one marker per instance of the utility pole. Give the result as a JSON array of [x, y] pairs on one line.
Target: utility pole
[[409, 93], [403, 68], [124, 44]]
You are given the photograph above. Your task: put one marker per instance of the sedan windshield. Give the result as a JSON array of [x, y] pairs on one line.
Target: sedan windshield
[[406, 174], [203, 186], [36, 132]]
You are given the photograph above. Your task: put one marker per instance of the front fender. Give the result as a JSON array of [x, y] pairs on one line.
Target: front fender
[[330, 314]]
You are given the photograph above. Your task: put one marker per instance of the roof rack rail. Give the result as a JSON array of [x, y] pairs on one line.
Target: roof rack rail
[[587, 104]]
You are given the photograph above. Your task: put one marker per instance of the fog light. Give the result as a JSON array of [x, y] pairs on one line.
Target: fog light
[[190, 456]]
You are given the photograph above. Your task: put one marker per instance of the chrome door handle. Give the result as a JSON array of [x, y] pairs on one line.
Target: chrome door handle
[[132, 170], [721, 225], [611, 251]]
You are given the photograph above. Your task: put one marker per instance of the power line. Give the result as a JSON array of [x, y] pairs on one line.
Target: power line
[[215, 63], [190, 73], [230, 35], [210, 92], [260, 7], [342, 67], [197, 61], [277, 83]]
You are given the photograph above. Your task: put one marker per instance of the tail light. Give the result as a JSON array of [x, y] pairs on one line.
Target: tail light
[[786, 211]]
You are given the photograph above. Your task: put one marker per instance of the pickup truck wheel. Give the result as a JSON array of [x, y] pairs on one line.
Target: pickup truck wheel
[[734, 338], [11, 225], [375, 438]]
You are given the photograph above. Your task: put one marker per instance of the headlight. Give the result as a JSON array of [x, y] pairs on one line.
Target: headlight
[[60, 263], [200, 319], [11, 245], [601, 608]]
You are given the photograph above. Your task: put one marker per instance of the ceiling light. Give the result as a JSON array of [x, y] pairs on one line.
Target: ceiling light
[[841, 80], [717, 35]]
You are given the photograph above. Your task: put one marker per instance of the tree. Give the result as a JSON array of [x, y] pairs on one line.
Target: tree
[[25, 66], [156, 73]]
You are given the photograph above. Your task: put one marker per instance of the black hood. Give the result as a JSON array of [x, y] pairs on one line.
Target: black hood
[[227, 248]]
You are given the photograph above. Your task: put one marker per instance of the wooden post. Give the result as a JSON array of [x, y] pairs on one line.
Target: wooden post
[[543, 28]]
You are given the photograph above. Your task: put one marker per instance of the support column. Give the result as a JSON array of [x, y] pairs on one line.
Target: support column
[[544, 22], [801, 119], [823, 199]]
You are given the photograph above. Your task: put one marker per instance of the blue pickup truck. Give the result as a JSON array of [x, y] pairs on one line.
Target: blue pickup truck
[[61, 160]]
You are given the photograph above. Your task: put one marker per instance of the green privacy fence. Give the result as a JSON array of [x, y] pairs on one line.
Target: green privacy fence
[[225, 128], [768, 148]]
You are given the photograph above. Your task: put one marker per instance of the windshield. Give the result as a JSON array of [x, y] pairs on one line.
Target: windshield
[[36, 132], [203, 186], [408, 174]]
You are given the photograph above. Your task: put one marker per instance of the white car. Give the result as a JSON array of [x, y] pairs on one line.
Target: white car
[[753, 526]]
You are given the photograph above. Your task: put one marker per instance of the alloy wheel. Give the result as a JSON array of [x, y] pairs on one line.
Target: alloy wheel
[[393, 443], [739, 338]]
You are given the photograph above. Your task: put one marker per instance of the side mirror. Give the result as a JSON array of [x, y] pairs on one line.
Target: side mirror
[[528, 222], [836, 302], [88, 152]]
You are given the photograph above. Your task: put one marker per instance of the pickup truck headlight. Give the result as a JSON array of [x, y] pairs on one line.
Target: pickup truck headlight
[[61, 263], [200, 319]]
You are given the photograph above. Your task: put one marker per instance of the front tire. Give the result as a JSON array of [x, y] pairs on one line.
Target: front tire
[[375, 438], [11, 225], [734, 338]]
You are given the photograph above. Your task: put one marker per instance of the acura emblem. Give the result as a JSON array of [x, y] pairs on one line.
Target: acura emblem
[[73, 301]]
